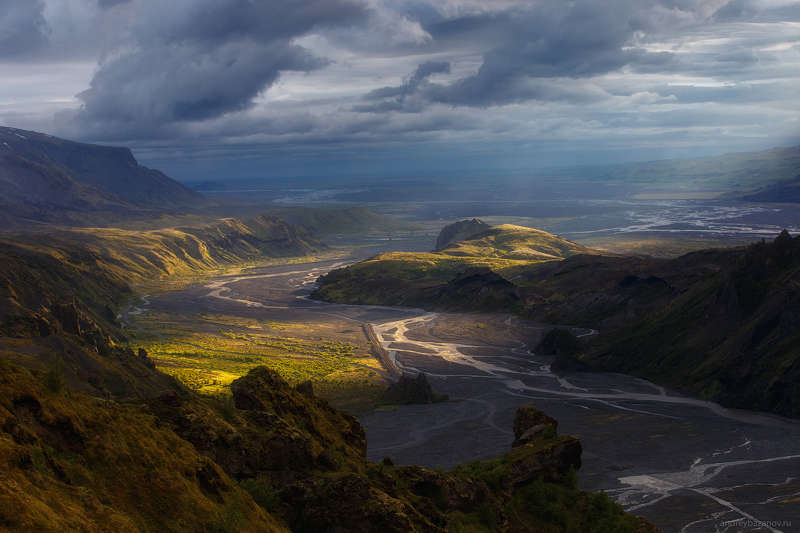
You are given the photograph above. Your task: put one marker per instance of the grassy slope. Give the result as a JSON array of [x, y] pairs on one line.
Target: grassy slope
[[58, 288], [412, 278], [509, 241], [75, 463]]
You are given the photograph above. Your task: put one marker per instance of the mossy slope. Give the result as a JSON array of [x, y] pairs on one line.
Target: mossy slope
[[436, 279], [70, 462]]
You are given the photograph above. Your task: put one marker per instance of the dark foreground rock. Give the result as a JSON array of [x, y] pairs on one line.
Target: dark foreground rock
[[410, 390]]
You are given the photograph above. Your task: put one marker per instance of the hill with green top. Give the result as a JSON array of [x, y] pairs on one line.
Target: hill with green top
[[509, 241], [493, 256]]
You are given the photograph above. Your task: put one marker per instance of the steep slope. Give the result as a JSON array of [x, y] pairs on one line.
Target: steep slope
[[129, 255], [49, 179], [447, 278], [733, 337], [75, 463]]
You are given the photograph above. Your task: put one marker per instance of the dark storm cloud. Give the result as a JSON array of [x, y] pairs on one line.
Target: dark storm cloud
[[299, 74], [395, 98], [23, 30], [193, 61], [528, 44], [532, 45], [558, 40], [180, 82]]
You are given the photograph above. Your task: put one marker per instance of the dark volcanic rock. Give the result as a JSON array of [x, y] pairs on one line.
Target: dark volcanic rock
[[408, 390], [559, 341], [460, 231], [565, 346], [553, 462], [530, 423]]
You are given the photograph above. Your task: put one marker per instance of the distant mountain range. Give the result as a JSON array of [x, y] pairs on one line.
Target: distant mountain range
[[47, 179]]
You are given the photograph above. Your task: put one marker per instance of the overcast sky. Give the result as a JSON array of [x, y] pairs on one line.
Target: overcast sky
[[248, 88]]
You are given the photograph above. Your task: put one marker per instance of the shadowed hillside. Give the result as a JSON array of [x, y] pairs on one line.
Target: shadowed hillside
[[733, 337], [48, 179]]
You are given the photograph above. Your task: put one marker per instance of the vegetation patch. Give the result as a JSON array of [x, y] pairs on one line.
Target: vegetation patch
[[208, 352]]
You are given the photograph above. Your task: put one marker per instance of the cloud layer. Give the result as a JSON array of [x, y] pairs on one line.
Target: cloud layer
[[193, 77]]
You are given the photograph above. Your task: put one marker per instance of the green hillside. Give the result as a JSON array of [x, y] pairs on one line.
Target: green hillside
[[509, 241], [437, 278]]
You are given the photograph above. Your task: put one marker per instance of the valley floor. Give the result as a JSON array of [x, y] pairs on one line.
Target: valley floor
[[686, 464]]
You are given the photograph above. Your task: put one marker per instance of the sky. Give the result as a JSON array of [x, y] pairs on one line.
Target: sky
[[225, 89]]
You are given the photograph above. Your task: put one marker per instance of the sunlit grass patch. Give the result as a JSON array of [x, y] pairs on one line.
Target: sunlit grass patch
[[207, 352]]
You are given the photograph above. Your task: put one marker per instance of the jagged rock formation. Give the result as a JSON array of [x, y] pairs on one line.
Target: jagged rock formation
[[460, 231], [305, 463]]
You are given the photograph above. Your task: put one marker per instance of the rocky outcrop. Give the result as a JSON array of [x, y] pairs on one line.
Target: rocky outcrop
[[274, 428], [564, 346], [531, 424], [304, 462], [460, 231], [411, 389]]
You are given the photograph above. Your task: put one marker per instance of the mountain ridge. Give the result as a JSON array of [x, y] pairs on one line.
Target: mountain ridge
[[48, 179]]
